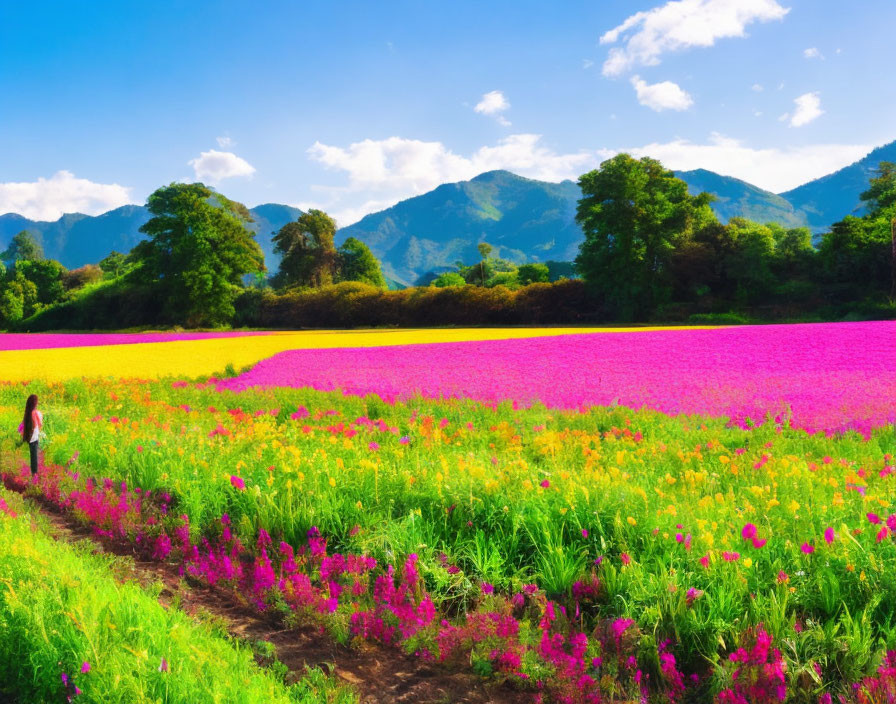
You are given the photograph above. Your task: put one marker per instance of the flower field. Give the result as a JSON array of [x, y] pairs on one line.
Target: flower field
[[496, 504]]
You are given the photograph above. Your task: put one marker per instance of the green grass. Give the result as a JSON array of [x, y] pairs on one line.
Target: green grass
[[60, 608]]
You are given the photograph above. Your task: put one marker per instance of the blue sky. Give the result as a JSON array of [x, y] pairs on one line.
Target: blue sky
[[352, 106]]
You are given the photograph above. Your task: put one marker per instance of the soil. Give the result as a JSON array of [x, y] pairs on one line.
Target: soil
[[376, 673]]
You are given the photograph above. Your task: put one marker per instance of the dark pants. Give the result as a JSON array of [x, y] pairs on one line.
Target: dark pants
[[33, 447]]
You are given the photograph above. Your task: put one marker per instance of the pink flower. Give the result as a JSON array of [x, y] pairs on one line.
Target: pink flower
[[748, 532], [584, 532], [692, 595], [545, 484], [374, 446], [163, 666], [404, 440], [808, 549], [782, 577], [237, 482], [85, 668], [704, 561], [873, 518], [488, 588], [625, 558], [731, 556], [829, 536], [759, 542]]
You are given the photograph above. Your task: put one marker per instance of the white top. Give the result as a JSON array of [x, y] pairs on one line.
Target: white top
[[39, 417]]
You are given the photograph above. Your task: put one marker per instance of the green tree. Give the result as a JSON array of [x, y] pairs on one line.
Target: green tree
[[881, 194], [307, 249], [533, 273], [633, 214], [448, 279], [23, 247], [357, 263], [113, 265], [749, 263], [48, 277], [484, 249], [198, 251]]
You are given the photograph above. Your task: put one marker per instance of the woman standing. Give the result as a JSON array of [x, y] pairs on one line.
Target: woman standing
[[31, 426]]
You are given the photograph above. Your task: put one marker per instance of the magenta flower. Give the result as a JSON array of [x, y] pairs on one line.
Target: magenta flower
[[808, 549], [692, 595], [584, 532], [237, 482], [545, 484], [374, 446], [748, 532], [487, 588], [404, 440], [626, 559], [163, 666], [85, 668], [873, 518], [829, 535], [759, 542]]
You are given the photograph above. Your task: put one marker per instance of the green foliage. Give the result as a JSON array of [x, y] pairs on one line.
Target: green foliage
[[113, 265], [308, 253], [633, 214], [533, 273], [197, 253], [449, 278], [23, 247], [357, 263]]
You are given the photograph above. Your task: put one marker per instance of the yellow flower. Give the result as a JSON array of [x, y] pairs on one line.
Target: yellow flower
[[748, 562], [632, 521], [332, 481]]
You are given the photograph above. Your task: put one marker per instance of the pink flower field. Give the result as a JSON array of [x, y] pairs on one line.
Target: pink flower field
[[830, 377], [46, 341]]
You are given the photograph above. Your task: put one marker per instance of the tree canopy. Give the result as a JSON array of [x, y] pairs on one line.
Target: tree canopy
[[307, 249], [634, 213], [23, 247], [357, 263], [197, 254]]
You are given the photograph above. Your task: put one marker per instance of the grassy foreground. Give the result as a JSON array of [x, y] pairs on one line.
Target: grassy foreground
[[69, 631]]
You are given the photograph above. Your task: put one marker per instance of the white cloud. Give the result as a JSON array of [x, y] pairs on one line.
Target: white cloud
[[224, 142], [661, 96], [774, 169], [50, 198], [812, 53], [757, 87], [681, 24], [216, 166], [494, 103], [808, 108], [587, 63], [382, 172]]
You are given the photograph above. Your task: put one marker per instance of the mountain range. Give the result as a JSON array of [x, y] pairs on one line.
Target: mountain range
[[524, 219]]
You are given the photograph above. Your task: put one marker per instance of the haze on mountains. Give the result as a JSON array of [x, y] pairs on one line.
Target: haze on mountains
[[524, 219]]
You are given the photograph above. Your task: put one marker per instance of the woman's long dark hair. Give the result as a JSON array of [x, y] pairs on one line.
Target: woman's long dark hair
[[28, 420]]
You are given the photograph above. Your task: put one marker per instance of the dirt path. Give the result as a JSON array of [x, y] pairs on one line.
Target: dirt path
[[376, 673]]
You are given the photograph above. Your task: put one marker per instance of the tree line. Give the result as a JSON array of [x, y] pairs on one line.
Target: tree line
[[651, 248], [651, 251]]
